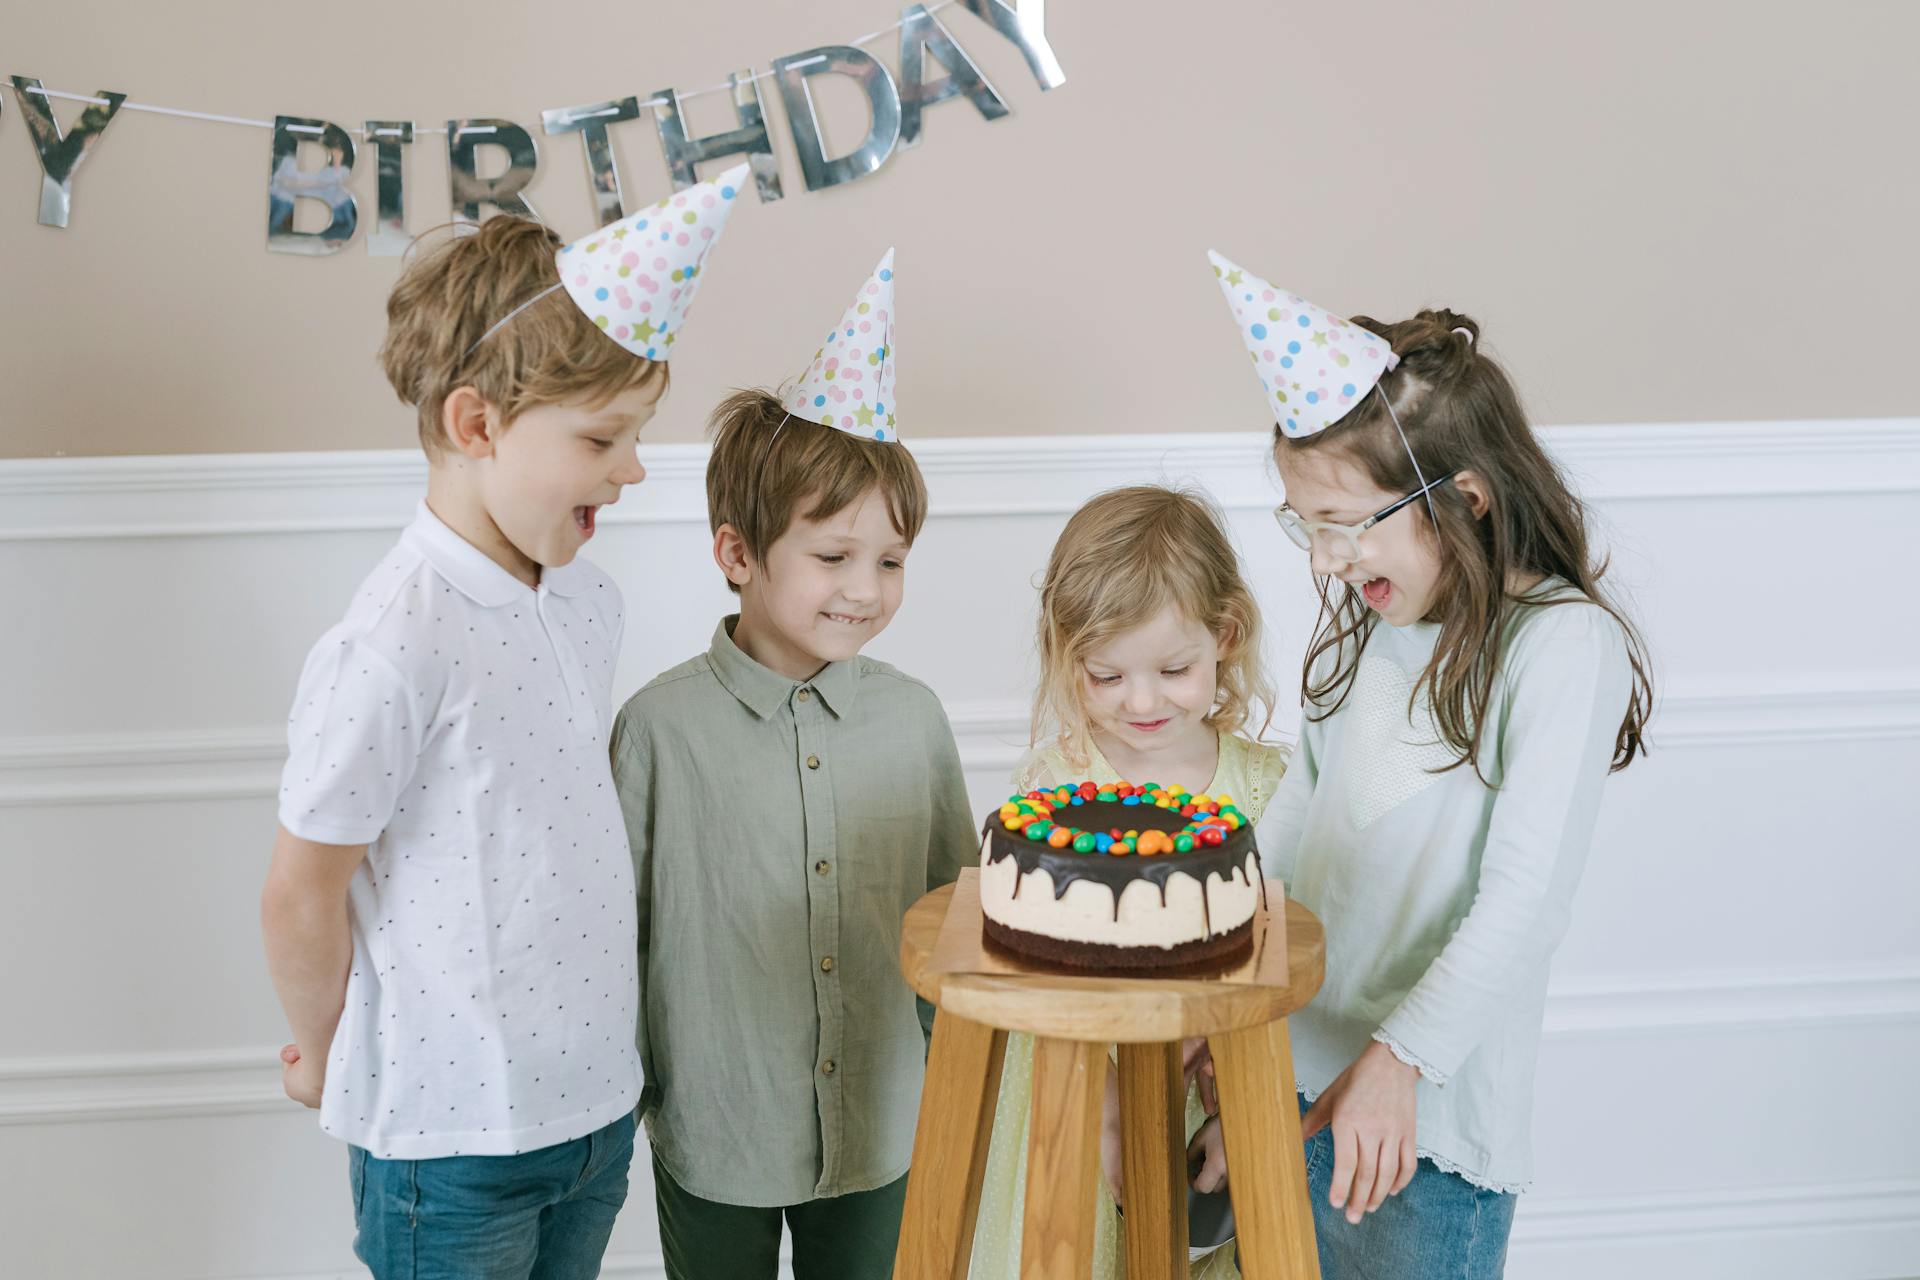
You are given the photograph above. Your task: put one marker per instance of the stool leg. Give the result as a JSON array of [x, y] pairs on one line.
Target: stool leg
[[1063, 1159], [1266, 1162], [950, 1149], [1153, 1124]]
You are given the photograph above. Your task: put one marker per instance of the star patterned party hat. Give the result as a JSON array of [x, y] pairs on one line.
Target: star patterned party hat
[[636, 278], [1315, 366], [849, 385]]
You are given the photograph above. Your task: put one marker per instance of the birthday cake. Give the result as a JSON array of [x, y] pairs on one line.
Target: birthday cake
[[1120, 876]]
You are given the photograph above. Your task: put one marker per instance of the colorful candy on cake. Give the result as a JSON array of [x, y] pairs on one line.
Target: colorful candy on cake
[[1120, 876]]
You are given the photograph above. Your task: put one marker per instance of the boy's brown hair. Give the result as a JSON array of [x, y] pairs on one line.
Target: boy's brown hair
[[767, 469], [550, 353]]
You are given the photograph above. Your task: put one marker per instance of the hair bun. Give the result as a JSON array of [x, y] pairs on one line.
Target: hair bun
[[1438, 345]]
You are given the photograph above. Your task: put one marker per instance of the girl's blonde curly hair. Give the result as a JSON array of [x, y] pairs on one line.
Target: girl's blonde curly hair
[[1124, 557]]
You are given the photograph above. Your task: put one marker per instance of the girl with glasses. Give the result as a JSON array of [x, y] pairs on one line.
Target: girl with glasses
[[1469, 688]]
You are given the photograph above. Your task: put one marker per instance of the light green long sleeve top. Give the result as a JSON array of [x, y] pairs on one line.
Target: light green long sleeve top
[[1444, 897]]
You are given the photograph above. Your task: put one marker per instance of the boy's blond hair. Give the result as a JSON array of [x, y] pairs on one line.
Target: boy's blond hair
[[768, 468], [1123, 558], [548, 354]]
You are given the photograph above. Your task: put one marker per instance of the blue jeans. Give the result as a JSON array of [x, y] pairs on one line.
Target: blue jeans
[[1441, 1227], [541, 1215]]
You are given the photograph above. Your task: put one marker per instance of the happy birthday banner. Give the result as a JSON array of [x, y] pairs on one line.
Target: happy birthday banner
[[897, 110]]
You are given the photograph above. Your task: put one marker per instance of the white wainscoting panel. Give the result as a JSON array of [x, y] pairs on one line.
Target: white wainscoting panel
[[1727, 1064]]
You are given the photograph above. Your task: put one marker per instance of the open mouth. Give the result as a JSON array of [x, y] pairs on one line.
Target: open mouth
[[1379, 593], [583, 519], [845, 619]]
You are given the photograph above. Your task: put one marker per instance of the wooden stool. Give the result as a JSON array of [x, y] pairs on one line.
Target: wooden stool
[[1073, 1018]]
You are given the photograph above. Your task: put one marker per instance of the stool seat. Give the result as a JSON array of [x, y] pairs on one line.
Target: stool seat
[[1073, 1017], [1110, 1010]]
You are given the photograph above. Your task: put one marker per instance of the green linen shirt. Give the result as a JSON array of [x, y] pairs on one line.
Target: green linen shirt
[[780, 830]]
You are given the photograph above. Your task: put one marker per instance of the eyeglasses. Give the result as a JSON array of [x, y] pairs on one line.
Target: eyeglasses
[[1343, 540]]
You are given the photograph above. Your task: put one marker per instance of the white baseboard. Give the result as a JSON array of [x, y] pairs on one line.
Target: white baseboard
[[1743, 1226], [1742, 1213]]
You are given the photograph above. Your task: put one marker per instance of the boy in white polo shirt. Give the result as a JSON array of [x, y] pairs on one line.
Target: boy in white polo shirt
[[449, 914]]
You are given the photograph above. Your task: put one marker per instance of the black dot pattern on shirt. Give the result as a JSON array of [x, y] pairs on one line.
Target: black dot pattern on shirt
[[458, 741]]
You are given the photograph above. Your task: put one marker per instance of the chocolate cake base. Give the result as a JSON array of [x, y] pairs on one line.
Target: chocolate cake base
[[1103, 955]]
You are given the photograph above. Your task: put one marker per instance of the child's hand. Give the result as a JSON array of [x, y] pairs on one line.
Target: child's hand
[[303, 1083], [1196, 1063], [1209, 1148], [1370, 1107]]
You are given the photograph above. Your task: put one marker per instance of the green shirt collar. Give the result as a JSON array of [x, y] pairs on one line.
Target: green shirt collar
[[763, 690]]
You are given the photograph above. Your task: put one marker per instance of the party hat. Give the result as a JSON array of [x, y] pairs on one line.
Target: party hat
[[849, 385], [636, 278], [1314, 365]]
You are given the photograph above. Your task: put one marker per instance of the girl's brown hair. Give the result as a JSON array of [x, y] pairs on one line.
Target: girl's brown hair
[[460, 287], [1123, 558], [1460, 412]]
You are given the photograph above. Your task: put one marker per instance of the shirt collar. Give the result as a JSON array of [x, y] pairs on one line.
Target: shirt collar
[[763, 690], [569, 579], [474, 572]]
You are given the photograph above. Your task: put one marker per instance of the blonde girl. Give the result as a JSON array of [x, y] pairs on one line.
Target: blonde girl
[[1150, 669]]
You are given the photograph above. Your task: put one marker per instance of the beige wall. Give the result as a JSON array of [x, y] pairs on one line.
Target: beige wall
[[1658, 211]]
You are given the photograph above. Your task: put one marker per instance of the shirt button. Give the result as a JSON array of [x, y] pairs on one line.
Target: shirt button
[[826, 964], [821, 867], [827, 1067], [813, 762], [803, 695]]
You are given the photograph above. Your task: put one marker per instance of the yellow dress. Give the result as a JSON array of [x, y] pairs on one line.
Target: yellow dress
[[1247, 771]]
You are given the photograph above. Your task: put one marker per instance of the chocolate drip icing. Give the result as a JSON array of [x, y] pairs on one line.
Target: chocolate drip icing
[[1245, 875], [1066, 865]]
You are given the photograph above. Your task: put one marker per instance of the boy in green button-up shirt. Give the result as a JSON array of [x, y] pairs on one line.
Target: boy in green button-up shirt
[[787, 800]]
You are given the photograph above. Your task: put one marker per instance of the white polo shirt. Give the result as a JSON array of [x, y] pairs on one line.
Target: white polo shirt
[[456, 723]]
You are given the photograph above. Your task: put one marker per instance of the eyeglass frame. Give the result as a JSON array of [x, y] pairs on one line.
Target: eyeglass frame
[[1288, 519]]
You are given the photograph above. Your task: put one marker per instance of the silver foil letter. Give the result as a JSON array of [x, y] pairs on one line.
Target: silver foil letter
[[61, 154], [603, 174], [389, 238], [470, 190], [921, 34], [750, 139], [287, 182], [1027, 28], [883, 99]]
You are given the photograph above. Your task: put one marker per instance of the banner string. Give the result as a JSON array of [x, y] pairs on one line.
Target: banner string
[[362, 133]]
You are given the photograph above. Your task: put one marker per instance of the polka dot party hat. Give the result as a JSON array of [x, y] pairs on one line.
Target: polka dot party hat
[[1315, 366], [636, 278], [849, 385]]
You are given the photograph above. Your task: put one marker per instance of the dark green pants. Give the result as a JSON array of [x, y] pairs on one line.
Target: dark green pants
[[848, 1237]]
